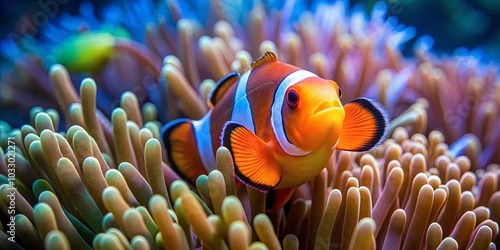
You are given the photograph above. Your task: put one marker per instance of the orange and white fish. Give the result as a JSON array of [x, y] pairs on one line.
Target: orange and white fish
[[280, 123]]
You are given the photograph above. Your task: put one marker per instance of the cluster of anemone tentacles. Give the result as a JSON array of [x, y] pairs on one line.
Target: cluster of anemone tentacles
[[103, 184], [202, 41]]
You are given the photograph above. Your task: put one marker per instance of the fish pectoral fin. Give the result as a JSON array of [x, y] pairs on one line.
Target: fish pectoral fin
[[277, 198], [253, 158], [365, 125], [222, 86], [180, 143]]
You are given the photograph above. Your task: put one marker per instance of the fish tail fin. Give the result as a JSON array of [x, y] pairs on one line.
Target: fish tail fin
[[180, 142]]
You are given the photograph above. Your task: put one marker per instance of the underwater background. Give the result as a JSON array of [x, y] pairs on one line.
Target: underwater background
[[475, 19], [454, 27], [86, 86]]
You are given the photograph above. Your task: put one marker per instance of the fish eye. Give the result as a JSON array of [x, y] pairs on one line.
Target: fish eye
[[340, 92], [292, 98]]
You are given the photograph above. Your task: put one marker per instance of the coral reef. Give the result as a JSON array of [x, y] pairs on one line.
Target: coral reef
[[90, 171]]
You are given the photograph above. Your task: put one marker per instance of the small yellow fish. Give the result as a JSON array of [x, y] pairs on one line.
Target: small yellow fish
[[281, 125]]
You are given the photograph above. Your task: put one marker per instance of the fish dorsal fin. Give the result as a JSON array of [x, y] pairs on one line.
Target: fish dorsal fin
[[221, 87], [266, 58]]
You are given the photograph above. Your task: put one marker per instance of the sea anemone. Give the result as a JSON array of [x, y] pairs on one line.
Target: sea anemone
[[103, 184], [84, 180], [200, 43]]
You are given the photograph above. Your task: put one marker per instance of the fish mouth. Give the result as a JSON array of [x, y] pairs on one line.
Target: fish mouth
[[323, 114], [325, 106], [326, 113]]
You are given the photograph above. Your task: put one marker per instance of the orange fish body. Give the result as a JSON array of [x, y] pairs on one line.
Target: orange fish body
[[280, 123]]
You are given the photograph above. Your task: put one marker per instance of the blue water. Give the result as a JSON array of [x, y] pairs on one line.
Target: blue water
[[452, 24]]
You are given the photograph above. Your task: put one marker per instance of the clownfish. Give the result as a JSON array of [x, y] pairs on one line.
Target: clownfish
[[281, 125]]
